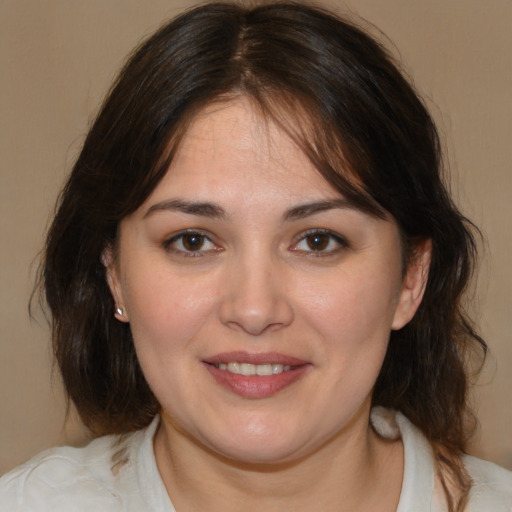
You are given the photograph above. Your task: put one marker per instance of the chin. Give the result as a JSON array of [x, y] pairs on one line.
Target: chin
[[260, 454], [258, 443]]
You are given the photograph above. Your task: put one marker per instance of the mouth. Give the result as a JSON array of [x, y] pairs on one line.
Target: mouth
[[255, 375], [248, 369]]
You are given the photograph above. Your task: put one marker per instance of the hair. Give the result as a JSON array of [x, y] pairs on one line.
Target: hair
[[343, 100]]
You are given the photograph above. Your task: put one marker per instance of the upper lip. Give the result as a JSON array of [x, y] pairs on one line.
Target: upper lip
[[255, 358]]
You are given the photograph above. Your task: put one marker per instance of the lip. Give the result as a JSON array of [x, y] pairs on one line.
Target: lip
[[256, 386], [255, 358]]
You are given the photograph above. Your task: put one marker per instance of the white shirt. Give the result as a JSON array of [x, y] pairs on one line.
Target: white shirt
[[119, 474]]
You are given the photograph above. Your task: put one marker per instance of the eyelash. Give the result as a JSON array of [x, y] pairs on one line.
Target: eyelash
[[341, 243], [169, 244]]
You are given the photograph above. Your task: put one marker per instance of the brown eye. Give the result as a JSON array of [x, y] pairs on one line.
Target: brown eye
[[321, 243], [318, 241], [193, 241]]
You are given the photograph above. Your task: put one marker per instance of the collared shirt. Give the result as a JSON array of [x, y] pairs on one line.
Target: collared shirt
[[119, 474]]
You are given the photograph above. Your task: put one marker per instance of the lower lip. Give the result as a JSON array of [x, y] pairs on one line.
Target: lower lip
[[256, 386]]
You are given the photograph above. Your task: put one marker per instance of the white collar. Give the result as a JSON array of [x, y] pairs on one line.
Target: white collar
[[417, 485]]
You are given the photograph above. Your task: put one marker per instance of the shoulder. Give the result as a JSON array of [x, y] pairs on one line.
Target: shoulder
[[491, 489], [60, 479], [492, 486]]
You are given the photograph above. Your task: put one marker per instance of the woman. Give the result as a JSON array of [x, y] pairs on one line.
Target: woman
[[255, 275]]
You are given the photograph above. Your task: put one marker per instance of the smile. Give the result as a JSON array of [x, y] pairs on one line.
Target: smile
[[249, 369], [251, 375]]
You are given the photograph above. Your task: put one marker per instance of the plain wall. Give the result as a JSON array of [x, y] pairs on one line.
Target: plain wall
[[58, 59]]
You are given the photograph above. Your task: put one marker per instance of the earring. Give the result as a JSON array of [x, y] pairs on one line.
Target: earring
[[119, 311]]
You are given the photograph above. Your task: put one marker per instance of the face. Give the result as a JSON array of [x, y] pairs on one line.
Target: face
[[260, 301]]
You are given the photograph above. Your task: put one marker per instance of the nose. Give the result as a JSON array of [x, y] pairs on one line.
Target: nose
[[255, 298]]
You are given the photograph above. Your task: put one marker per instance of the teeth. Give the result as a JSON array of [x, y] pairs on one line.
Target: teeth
[[279, 368], [264, 369], [233, 367], [254, 369]]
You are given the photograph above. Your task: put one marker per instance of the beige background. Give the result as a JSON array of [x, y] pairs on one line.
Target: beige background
[[59, 57]]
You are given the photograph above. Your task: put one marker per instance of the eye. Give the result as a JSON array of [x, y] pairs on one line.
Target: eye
[[190, 242], [322, 242]]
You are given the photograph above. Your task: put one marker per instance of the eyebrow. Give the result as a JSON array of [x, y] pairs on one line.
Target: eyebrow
[[308, 209], [214, 211], [201, 209]]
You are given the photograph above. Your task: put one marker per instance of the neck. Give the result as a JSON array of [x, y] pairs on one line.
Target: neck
[[354, 470]]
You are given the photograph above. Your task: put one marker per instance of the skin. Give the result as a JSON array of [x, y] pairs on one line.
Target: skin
[[266, 275]]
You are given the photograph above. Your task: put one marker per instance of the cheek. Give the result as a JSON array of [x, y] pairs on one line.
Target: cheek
[[352, 303], [353, 315], [166, 314], [166, 310]]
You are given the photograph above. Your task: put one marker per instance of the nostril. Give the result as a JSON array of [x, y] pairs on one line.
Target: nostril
[[254, 301]]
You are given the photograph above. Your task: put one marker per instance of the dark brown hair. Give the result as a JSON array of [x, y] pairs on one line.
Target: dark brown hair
[[339, 95]]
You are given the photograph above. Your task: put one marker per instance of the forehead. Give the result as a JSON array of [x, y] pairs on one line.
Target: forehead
[[232, 145]]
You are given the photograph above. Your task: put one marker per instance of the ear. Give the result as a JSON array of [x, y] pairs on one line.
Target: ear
[[413, 285], [112, 275]]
